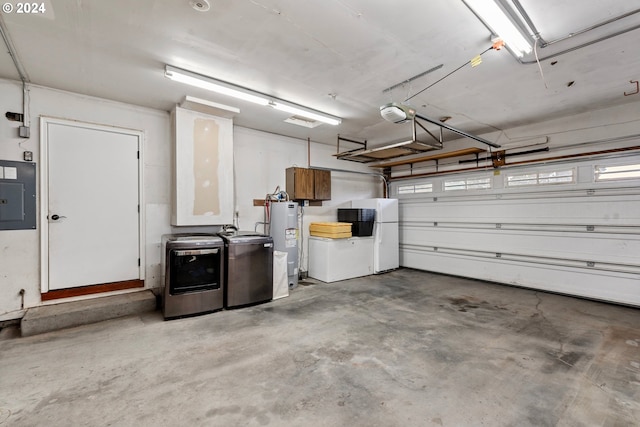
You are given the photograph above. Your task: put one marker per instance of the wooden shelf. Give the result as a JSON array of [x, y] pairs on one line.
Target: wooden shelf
[[386, 152], [457, 153]]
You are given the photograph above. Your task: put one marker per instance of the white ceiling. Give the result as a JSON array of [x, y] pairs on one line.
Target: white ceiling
[[335, 56]]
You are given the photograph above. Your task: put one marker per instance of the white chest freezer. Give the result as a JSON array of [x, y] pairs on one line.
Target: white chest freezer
[[331, 260]]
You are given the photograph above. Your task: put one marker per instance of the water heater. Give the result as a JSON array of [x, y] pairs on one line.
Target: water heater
[[284, 231]]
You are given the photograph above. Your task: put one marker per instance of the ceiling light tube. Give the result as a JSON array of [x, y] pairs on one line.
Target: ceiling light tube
[[214, 85], [219, 86], [501, 24], [306, 112]]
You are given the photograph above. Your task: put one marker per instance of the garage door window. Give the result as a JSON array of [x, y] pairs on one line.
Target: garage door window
[[417, 188], [617, 173], [467, 184], [566, 176]]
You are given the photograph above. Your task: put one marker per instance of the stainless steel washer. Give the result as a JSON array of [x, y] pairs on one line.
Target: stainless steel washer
[[248, 268], [193, 267]]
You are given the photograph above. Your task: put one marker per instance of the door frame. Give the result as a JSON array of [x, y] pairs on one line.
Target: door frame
[[44, 190]]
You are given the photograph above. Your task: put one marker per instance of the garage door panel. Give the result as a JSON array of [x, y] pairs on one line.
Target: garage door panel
[[612, 286], [588, 247], [605, 210]]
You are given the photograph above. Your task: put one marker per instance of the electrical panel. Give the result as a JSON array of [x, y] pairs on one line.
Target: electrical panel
[[17, 195]]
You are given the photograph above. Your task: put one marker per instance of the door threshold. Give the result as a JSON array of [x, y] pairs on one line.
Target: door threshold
[[92, 289]]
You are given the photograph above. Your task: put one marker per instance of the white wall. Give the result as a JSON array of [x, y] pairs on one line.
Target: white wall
[[260, 163]]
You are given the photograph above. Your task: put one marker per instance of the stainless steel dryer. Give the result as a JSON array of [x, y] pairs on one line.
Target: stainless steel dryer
[[193, 268], [248, 268]]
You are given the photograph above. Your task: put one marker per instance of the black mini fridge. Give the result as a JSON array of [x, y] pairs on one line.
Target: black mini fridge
[[361, 220]]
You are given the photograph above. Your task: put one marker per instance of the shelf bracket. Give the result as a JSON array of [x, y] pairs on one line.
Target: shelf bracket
[[456, 130], [363, 144]]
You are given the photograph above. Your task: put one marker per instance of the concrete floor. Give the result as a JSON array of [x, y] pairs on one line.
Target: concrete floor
[[406, 348]]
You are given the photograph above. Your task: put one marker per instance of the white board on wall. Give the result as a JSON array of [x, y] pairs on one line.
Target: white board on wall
[[203, 169]]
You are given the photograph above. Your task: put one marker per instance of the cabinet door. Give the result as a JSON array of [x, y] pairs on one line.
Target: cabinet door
[[300, 183], [322, 184]]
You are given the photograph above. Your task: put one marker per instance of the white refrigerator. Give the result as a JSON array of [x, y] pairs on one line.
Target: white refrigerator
[[386, 252]]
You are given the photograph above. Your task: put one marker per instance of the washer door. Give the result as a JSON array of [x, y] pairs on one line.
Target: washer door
[[194, 270]]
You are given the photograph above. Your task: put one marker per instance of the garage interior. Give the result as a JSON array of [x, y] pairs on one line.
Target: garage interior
[[497, 143]]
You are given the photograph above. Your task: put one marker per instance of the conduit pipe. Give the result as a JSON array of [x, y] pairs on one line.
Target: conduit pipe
[[24, 78], [384, 178], [543, 43]]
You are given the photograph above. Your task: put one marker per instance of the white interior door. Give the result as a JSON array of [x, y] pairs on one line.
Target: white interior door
[[92, 213]]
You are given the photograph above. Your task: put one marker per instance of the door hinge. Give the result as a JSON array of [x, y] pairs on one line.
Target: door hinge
[[138, 155], [138, 262], [138, 208]]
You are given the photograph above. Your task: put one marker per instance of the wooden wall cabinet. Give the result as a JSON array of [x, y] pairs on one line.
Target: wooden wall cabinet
[[308, 184], [322, 184]]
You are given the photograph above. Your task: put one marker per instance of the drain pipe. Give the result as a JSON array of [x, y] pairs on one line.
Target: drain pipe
[[617, 33], [544, 43], [24, 129], [379, 175]]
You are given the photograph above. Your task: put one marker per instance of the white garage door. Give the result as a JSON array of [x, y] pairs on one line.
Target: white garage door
[[572, 228]]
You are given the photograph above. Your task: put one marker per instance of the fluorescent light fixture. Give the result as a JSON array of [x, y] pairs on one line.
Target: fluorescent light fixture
[[501, 24], [219, 86], [302, 121], [214, 85], [305, 112]]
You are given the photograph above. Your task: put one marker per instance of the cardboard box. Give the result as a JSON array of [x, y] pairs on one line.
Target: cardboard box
[[332, 230]]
